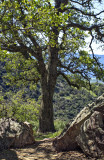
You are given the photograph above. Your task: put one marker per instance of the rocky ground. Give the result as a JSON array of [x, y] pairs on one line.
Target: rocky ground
[[41, 150]]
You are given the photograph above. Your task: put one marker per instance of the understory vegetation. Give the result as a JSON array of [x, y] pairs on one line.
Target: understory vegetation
[[23, 103]]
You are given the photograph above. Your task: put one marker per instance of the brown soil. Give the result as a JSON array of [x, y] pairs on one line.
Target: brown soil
[[41, 150]]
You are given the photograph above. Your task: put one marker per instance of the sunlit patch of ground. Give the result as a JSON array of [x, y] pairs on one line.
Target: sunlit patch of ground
[[41, 150]]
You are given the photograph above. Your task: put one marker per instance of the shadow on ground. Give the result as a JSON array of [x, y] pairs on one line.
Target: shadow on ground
[[41, 150], [8, 155]]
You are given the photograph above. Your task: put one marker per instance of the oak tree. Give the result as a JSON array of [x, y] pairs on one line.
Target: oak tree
[[54, 39]]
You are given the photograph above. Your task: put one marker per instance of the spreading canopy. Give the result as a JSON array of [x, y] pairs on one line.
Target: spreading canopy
[[30, 27], [53, 38]]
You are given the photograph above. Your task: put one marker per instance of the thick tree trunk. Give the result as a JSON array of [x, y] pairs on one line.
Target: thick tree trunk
[[48, 74], [46, 120], [48, 82]]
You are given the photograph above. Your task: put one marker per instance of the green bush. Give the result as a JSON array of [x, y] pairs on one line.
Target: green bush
[[19, 108]]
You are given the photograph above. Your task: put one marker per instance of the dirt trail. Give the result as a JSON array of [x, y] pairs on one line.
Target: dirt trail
[[41, 150]]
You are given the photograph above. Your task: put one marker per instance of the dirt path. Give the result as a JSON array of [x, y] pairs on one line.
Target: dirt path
[[41, 150]]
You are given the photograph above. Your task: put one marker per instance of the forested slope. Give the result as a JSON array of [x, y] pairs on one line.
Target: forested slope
[[68, 101]]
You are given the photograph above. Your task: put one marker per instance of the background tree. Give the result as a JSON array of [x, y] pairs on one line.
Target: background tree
[[53, 40]]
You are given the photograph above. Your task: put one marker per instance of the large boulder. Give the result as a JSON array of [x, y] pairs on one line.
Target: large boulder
[[91, 137], [15, 134], [79, 135], [67, 140]]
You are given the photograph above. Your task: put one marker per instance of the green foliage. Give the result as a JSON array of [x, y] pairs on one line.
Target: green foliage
[[43, 43], [23, 101], [18, 107], [68, 101], [23, 104], [31, 27], [19, 70]]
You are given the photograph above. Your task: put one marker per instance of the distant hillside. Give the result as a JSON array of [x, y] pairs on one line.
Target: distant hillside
[[68, 101]]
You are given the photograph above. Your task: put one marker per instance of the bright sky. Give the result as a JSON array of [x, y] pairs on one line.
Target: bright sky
[[96, 47], [100, 51], [97, 50]]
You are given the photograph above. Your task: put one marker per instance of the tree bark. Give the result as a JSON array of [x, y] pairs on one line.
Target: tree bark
[[46, 119], [48, 82]]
